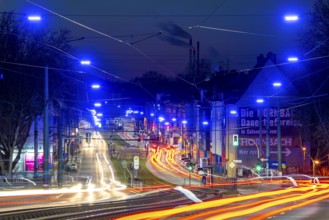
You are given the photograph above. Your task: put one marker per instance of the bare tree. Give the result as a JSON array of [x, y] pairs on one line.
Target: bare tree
[[22, 53], [315, 44]]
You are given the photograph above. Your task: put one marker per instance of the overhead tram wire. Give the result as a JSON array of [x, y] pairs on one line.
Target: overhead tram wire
[[148, 57], [75, 58], [230, 30], [212, 13], [113, 38], [169, 15], [39, 67], [120, 41]]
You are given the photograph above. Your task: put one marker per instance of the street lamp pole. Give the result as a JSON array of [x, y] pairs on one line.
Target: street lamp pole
[[279, 138], [46, 131], [268, 140], [315, 163], [304, 152], [35, 18], [183, 123], [278, 85], [60, 150], [189, 177], [260, 130]]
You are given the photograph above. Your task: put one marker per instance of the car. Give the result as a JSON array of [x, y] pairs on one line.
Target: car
[[188, 163], [83, 182], [184, 158], [71, 167], [198, 170]]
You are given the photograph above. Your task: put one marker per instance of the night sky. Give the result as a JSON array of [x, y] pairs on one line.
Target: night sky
[[144, 35]]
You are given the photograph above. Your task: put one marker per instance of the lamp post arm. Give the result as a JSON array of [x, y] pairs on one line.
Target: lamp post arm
[[258, 151]]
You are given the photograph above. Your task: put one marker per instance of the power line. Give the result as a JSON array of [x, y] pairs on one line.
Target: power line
[[168, 15]]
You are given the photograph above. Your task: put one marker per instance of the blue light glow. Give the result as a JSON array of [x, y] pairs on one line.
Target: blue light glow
[[85, 62], [291, 18], [276, 84], [34, 18], [292, 59], [260, 100], [233, 112], [95, 86]]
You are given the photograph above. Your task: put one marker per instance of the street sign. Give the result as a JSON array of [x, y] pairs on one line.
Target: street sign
[[274, 164], [124, 164], [232, 165], [237, 161], [285, 151], [136, 162]]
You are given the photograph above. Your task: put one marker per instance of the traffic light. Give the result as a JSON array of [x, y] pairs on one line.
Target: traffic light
[[190, 167], [235, 140], [258, 167]]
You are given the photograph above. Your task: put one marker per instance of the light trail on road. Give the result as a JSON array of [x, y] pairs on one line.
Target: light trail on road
[[243, 205], [76, 194]]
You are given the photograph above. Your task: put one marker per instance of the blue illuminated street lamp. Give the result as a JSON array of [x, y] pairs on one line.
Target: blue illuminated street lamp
[[34, 18], [292, 59], [291, 18], [97, 104], [85, 62], [95, 86]]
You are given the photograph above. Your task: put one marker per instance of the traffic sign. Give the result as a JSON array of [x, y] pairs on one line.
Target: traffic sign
[[232, 165], [285, 151], [274, 164], [136, 162], [124, 164], [237, 161]]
